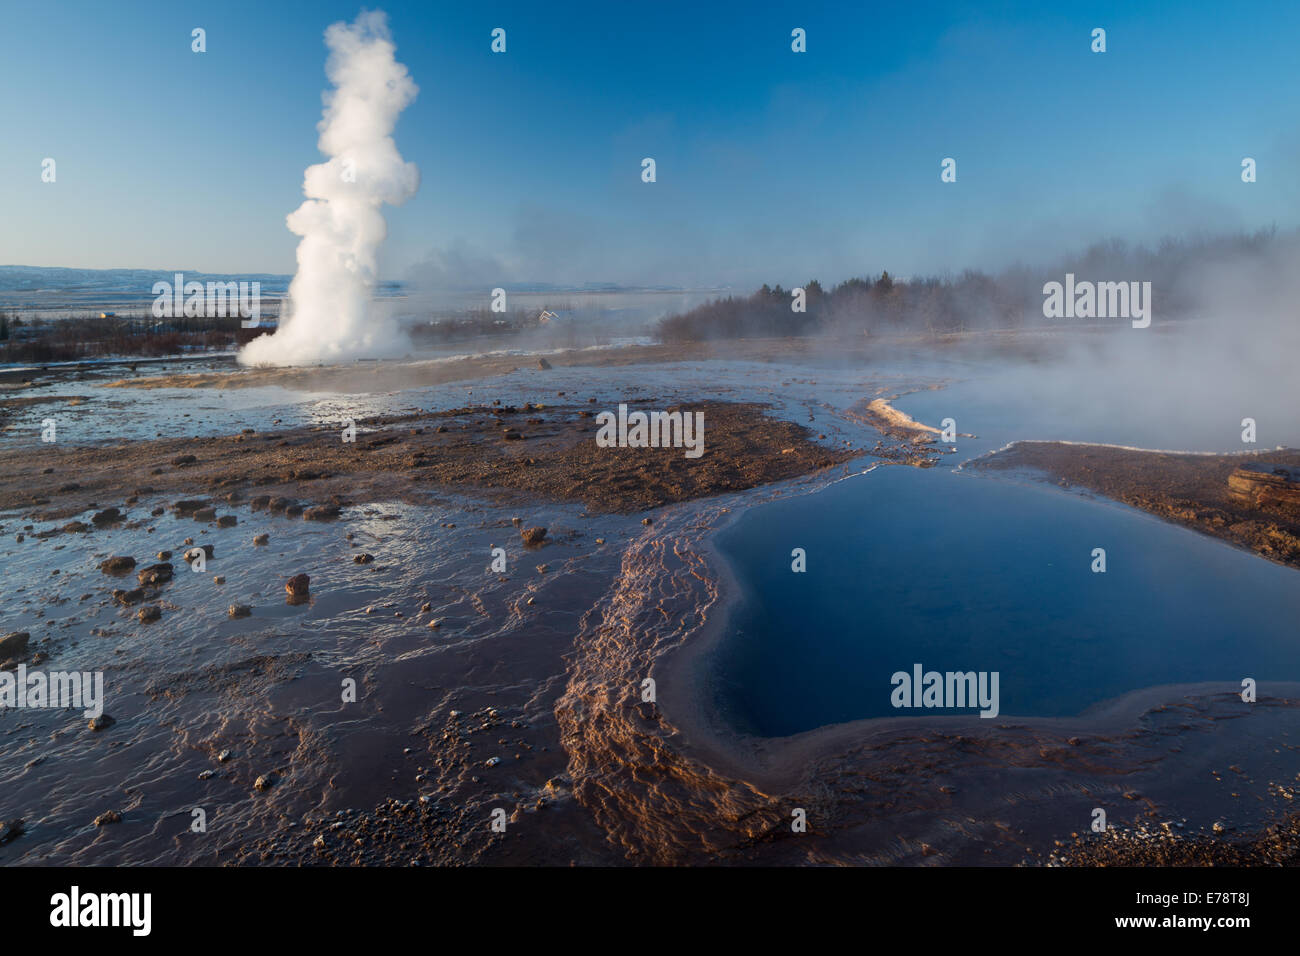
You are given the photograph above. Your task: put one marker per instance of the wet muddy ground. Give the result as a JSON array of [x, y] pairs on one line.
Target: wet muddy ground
[[522, 703]]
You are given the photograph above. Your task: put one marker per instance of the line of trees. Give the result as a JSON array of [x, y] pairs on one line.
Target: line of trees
[[973, 300], [62, 340]]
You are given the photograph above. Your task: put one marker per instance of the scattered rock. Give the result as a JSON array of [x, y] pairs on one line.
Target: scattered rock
[[363, 558], [239, 610], [533, 536], [107, 817], [107, 516], [264, 782], [155, 574], [102, 722], [10, 831], [13, 646], [127, 598], [207, 513], [298, 585], [149, 613], [182, 460], [227, 521], [543, 364], [164, 555], [261, 539], [321, 513], [119, 564]]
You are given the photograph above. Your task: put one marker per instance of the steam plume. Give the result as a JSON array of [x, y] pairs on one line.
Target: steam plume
[[341, 224]]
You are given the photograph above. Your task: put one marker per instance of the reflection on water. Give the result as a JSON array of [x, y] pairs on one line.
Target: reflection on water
[[962, 573]]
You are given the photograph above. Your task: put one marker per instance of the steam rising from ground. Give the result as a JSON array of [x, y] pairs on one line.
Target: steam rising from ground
[[331, 318]]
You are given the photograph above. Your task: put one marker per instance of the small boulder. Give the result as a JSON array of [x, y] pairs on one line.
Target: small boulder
[[10, 830], [102, 722], [13, 645], [239, 610], [155, 574], [298, 585], [149, 613], [107, 817], [533, 536], [321, 513], [119, 564], [107, 516]]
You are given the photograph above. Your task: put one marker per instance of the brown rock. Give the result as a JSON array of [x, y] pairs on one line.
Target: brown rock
[[127, 598], [13, 645], [155, 574]]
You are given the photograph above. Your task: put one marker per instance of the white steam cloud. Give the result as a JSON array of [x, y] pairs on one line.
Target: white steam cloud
[[330, 318]]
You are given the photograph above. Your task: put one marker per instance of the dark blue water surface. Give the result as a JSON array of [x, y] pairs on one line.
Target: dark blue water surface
[[959, 572]]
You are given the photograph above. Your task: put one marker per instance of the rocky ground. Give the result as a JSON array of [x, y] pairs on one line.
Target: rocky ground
[[1187, 489], [540, 449]]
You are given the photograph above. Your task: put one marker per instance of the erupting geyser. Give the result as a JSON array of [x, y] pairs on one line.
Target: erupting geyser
[[329, 317]]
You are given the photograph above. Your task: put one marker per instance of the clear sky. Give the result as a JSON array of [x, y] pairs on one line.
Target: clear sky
[[772, 165]]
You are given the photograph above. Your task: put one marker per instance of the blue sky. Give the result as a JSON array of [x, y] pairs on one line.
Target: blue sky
[[772, 165]]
